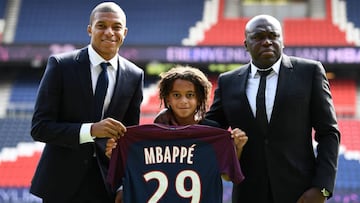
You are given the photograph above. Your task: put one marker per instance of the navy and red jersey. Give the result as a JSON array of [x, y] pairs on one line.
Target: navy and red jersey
[[157, 163]]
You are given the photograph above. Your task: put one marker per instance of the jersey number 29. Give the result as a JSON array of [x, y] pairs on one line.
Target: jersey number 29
[[194, 193]]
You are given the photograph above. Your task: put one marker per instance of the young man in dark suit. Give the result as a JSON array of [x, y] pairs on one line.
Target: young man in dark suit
[[74, 123], [278, 160]]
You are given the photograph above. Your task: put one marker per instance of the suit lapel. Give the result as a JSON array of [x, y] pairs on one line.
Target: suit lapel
[[119, 85], [285, 82], [84, 70], [243, 78]]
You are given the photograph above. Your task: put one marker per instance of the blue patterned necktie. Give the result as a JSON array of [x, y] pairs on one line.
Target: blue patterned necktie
[[100, 91], [261, 116]]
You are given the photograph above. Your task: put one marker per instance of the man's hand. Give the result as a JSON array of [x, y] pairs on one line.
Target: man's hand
[[119, 197], [109, 128], [312, 195], [240, 139], [110, 145]]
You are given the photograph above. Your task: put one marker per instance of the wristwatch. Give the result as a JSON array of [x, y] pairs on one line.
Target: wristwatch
[[325, 192]]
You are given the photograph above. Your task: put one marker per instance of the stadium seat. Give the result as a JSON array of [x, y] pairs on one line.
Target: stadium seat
[[344, 96]]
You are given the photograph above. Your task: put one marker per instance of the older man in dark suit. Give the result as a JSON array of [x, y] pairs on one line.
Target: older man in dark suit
[[278, 101], [74, 123]]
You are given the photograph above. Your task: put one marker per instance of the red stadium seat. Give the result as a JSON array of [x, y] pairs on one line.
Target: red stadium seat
[[344, 97]]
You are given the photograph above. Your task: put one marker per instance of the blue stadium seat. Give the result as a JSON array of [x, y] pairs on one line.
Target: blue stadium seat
[[13, 131], [347, 176], [23, 94], [48, 21], [352, 11], [150, 22], [2, 8]]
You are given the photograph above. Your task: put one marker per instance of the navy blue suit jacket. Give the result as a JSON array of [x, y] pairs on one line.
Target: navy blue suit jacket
[[284, 158], [65, 100]]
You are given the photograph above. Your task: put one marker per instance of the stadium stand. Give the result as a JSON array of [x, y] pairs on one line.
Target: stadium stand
[[151, 103], [2, 9], [2, 15], [164, 25], [297, 31], [350, 129], [13, 131], [347, 177], [149, 22], [23, 94], [344, 95], [303, 31], [40, 22], [220, 31], [352, 8]]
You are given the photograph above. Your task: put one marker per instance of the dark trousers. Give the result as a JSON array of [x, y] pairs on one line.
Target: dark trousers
[[92, 189], [237, 198]]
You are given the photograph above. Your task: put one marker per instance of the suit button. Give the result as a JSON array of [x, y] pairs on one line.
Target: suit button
[[266, 141]]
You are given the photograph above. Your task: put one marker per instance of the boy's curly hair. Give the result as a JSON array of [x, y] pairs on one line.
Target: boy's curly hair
[[197, 77]]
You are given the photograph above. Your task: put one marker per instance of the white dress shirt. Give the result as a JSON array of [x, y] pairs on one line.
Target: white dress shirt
[[95, 60], [271, 84]]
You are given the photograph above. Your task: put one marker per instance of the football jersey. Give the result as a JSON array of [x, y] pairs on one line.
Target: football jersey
[[157, 163]]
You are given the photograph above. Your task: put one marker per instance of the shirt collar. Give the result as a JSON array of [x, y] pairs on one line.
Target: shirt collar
[[96, 59], [275, 67]]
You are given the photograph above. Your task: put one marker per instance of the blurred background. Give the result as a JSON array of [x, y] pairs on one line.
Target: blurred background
[[207, 34]]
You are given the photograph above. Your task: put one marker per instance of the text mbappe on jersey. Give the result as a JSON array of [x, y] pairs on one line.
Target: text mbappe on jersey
[[169, 154]]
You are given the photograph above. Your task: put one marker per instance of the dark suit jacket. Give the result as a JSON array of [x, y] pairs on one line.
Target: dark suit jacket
[[65, 101], [284, 158]]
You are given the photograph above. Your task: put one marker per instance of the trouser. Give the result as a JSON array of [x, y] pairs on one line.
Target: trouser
[[92, 189]]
